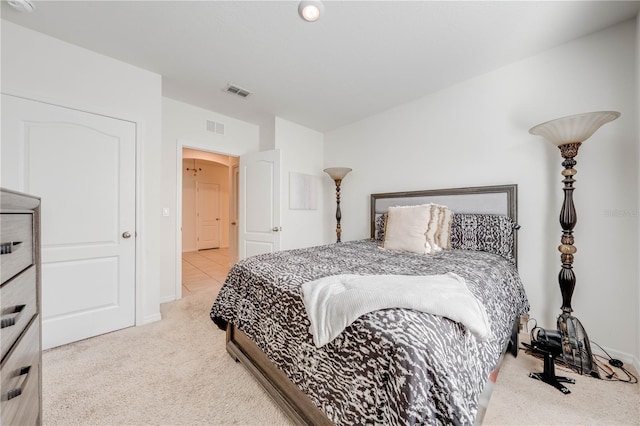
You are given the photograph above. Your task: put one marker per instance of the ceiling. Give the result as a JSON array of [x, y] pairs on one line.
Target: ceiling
[[359, 59]]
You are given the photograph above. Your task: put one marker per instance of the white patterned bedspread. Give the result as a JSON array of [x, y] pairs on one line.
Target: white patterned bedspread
[[393, 366]]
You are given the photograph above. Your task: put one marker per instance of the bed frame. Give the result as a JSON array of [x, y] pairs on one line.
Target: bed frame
[[297, 405]]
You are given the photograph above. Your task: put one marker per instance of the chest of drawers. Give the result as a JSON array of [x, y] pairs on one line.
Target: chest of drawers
[[20, 338]]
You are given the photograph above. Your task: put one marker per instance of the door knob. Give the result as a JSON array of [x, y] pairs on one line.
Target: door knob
[[277, 229], [126, 234]]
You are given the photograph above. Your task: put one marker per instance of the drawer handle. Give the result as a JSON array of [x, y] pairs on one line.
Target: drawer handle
[[10, 247], [12, 317], [13, 393]]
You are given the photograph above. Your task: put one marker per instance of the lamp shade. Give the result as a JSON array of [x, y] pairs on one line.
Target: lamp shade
[[574, 128], [337, 173]]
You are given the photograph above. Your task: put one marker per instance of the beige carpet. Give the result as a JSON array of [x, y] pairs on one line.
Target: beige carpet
[[517, 399], [177, 372]]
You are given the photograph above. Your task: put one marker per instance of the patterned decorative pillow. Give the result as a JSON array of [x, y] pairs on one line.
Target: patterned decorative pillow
[[380, 224], [484, 232]]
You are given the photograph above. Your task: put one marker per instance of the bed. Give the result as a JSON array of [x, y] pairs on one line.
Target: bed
[[391, 366]]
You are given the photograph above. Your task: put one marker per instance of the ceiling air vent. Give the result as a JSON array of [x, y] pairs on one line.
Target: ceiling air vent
[[235, 90], [215, 127]]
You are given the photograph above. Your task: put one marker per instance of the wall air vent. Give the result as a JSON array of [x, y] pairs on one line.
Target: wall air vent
[[215, 127], [235, 90]]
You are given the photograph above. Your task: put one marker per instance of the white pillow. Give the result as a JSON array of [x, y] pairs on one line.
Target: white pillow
[[406, 229]]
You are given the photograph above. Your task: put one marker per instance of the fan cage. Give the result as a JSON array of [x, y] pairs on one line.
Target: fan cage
[[576, 348]]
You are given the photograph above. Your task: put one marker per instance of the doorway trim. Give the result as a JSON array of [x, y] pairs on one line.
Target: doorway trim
[[180, 144]]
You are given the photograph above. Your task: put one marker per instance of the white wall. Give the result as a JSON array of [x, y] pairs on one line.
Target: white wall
[[185, 125], [267, 135], [301, 152], [476, 133], [40, 67]]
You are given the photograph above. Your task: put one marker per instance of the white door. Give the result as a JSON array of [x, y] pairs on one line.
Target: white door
[[207, 215], [259, 203], [82, 165]]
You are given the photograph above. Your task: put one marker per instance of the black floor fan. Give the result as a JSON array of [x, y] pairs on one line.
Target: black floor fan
[[548, 343], [569, 344]]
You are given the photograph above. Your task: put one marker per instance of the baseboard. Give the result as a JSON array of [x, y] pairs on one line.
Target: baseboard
[[622, 356], [166, 299], [151, 318]]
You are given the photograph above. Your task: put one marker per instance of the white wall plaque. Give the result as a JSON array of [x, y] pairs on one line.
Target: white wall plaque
[[303, 191]]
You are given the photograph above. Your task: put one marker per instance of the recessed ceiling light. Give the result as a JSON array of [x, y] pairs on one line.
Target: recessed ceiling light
[[310, 10], [22, 5]]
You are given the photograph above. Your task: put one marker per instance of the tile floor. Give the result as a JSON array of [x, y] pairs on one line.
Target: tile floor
[[204, 269]]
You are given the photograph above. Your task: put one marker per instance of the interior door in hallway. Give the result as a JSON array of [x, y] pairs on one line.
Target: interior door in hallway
[[208, 215], [82, 165]]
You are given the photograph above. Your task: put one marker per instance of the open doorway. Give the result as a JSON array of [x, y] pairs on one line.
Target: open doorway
[[208, 223]]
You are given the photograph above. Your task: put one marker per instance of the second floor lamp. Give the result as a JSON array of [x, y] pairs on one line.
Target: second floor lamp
[[337, 174]]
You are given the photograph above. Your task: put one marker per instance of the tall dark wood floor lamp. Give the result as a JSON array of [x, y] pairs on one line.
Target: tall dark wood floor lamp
[[568, 133], [337, 174]]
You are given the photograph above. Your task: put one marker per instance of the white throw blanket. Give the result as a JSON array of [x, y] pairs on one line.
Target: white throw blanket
[[334, 302]]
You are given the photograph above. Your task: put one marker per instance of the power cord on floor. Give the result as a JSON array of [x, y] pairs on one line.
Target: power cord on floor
[[612, 368], [609, 373]]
